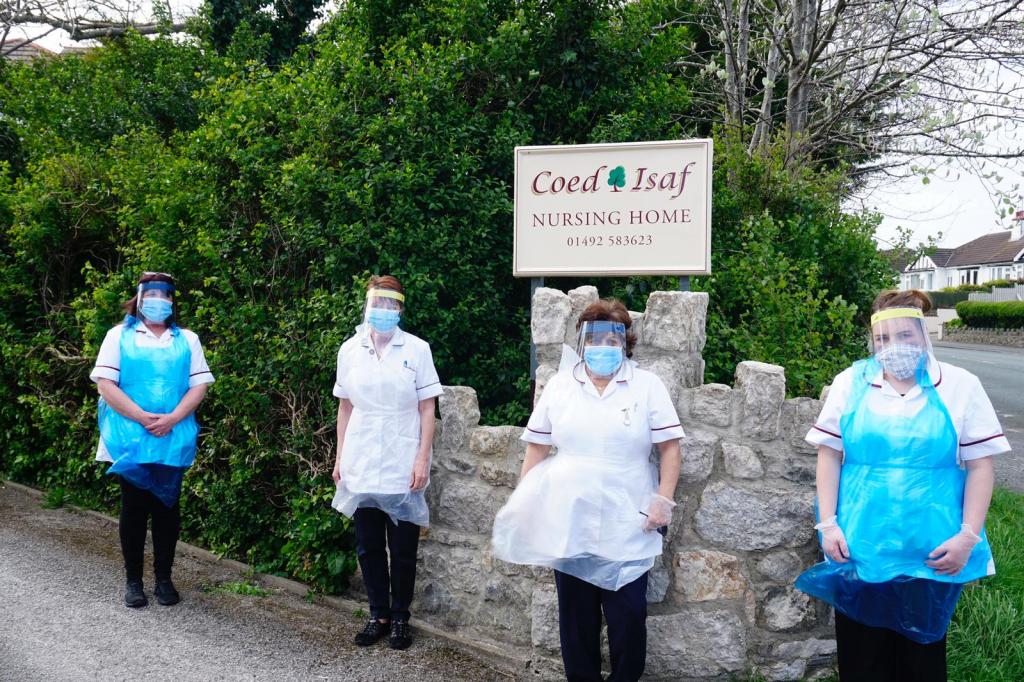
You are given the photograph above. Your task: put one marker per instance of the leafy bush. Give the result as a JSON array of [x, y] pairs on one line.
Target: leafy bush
[[986, 315], [968, 288], [948, 298]]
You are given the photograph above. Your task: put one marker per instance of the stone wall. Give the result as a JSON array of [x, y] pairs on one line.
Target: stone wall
[[722, 604], [993, 337]]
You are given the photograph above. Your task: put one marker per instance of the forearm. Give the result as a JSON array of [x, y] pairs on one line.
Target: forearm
[[671, 460], [118, 400], [190, 402], [827, 480], [978, 492], [344, 413], [426, 427], [535, 454]]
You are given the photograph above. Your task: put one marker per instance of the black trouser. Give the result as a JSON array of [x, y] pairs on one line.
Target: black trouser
[[579, 628], [137, 506], [870, 654], [390, 592]]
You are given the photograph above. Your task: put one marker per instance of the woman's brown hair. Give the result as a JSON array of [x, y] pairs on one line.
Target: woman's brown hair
[[610, 310], [131, 306], [909, 298]]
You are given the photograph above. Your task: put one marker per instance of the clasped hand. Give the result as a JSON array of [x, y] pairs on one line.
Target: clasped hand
[[951, 556], [158, 425]]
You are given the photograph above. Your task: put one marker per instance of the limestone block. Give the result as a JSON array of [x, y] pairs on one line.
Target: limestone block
[[657, 581], [805, 648], [550, 354], [666, 368], [698, 451], [544, 619], [781, 567], [691, 370], [434, 598], [695, 644], [470, 506], [711, 404], [544, 374], [494, 441], [798, 416], [781, 460], [460, 413], [549, 315], [674, 320], [704, 574], [637, 327], [783, 671], [579, 298], [754, 517], [505, 612], [500, 473], [763, 389], [741, 461], [457, 461], [786, 608], [459, 568]]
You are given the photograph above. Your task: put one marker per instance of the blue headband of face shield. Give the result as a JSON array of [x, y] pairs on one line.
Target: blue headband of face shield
[[157, 286]]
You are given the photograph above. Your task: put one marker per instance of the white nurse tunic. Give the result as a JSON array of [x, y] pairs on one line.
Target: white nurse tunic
[[383, 433], [579, 511]]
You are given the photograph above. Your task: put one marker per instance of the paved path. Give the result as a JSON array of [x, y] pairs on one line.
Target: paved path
[[1001, 371], [61, 618]]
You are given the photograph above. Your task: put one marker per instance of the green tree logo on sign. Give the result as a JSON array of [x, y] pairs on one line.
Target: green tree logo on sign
[[617, 178]]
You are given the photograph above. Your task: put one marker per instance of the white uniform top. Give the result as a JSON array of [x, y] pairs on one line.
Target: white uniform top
[[108, 361], [383, 434], [634, 411], [977, 426]]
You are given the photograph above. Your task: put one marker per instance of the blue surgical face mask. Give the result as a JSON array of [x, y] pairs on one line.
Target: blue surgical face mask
[[602, 360], [156, 309], [383, 320], [901, 360]]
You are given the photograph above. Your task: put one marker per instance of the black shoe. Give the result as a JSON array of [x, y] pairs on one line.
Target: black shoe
[[401, 635], [165, 593], [373, 632], [134, 597]]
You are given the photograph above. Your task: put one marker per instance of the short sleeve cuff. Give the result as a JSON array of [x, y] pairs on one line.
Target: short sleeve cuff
[[994, 445], [535, 436], [104, 372], [666, 433], [339, 392], [429, 391], [200, 378], [821, 436]]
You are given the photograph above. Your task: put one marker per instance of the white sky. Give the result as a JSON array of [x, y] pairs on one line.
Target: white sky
[[959, 208]]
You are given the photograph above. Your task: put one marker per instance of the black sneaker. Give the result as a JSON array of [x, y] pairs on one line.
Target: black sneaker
[[165, 593], [373, 632], [134, 597], [401, 635]]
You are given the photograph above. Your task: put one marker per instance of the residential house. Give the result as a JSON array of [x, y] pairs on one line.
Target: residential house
[[999, 255], [22, 51]]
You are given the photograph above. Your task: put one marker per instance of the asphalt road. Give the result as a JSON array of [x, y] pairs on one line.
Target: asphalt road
[[1001, 371], [62, 618]]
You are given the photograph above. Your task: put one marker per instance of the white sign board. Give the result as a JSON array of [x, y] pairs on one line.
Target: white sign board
[[640, 208]]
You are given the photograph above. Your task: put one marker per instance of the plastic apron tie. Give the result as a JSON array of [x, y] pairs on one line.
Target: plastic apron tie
[[901, 494], [156, 379]]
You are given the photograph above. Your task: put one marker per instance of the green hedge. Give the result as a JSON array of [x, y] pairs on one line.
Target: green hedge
[[947, 299], [986, 315]]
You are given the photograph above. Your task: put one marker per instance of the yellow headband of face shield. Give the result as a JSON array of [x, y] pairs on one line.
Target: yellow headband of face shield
[[385, 293], [893, 313]]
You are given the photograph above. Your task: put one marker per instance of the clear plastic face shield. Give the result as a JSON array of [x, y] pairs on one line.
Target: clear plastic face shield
[[155, 300], [383, 310], [899, 342], [602, 346]]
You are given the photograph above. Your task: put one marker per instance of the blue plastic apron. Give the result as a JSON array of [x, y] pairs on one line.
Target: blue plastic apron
[[156, 379], [901, 494]]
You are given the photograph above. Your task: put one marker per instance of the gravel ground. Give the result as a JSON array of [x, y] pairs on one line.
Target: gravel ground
[[62, 618]]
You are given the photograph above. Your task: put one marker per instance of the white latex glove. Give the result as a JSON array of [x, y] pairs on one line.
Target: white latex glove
[[833, 541], [951, 556], [659, 513]]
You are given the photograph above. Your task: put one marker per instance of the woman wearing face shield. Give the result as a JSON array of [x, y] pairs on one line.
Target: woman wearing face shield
[[151, 375], [386, 385], [593, 511], [904, 481]]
